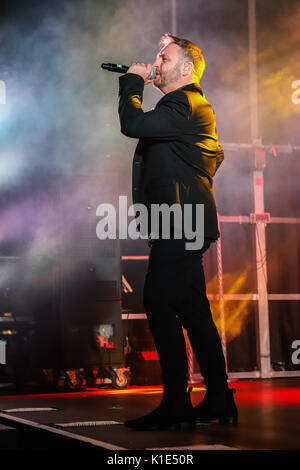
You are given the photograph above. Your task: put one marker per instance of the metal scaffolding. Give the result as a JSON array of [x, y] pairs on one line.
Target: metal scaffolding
[[260, 218]]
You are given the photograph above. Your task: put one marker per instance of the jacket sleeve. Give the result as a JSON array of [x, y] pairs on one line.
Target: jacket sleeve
[[219, 156], [165, 122]]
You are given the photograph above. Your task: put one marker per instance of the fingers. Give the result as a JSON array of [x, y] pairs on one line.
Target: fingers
[[142, 69], [142, 64]]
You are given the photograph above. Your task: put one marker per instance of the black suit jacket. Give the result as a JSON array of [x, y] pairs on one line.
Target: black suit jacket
[[178, 152]]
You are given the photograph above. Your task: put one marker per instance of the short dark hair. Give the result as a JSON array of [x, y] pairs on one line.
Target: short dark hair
[[190, 52]]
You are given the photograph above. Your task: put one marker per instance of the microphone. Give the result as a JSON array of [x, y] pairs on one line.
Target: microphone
[[123, 69]]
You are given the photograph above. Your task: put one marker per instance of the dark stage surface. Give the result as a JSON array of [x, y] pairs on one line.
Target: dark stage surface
[[269, 418]]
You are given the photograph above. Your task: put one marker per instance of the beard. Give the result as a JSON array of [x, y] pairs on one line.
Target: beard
[[168, 77]]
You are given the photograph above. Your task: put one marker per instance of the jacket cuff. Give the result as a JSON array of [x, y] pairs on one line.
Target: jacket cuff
[[132, 81]]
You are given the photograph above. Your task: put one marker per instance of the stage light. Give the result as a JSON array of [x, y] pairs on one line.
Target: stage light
[[106, 336]]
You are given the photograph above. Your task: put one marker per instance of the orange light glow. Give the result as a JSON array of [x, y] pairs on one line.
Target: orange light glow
[[236, 313]]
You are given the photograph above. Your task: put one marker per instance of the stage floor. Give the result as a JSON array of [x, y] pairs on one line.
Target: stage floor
[[269, 417]]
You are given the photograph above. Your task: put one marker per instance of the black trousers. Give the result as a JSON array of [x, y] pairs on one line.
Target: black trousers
[[175, 296]]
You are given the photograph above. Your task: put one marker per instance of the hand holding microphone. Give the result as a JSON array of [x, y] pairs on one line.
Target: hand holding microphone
[[146, 71]]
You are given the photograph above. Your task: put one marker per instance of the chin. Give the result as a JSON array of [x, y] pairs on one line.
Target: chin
[[156, 84]]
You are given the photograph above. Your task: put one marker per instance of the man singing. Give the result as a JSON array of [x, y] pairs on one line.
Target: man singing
[[175, 161]]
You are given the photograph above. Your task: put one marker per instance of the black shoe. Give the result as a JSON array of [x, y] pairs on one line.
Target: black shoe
[[171, 413], [217, 406]]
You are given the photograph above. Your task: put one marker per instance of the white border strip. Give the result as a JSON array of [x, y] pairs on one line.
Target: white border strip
[[78, 424], [43, 427], [25, 410]]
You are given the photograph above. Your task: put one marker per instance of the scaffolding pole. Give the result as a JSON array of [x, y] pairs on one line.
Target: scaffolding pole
[[263, 333], [174, 18]]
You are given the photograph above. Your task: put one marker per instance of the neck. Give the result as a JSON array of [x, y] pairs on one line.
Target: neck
[[178, 84]]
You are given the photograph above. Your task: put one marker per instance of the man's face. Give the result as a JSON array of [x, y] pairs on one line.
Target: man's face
[[167, 66]]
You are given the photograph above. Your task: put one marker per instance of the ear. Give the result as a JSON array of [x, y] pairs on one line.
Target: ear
[[187, 68]]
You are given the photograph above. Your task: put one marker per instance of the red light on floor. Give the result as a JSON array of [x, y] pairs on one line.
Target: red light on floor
[[283, 396]]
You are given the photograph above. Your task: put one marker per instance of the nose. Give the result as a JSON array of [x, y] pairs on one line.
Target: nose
[[156, 63]]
